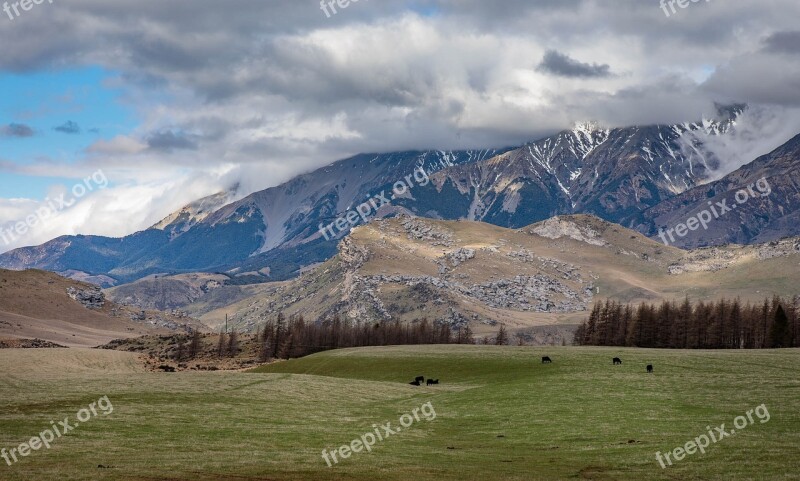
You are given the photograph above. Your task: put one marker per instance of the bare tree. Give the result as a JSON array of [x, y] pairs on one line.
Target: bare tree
[[179, 350], [221, 344], [502, 336], [233, 344], [194, 346]]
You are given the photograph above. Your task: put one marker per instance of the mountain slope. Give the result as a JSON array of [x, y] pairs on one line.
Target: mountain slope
[[614, 174], [547, 273], [766, 209], [38, 304], [207, 236]]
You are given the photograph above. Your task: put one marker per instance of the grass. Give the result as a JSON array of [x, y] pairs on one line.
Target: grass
[[500, 415]]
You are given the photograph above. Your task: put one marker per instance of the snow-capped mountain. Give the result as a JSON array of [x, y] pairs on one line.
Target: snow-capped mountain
[[273, 231], [618, 174], [760, 202], [612, 173]]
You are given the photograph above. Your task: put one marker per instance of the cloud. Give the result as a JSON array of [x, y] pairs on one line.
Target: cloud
[[16, 130], [119, 145], [783, 42], [100, 211], [69, 127], [758, 131], [560, 64], [168, 141], [263, 91], [757, 78]]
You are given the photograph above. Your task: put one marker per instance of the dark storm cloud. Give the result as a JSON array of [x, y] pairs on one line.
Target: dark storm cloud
[[16, 130], [783, 42], [560, 64], [407, 74], [757, 78], [257, 91], [167, 141], [68, 127]]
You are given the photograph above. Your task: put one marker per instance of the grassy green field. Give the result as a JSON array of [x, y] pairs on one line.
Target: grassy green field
[[500, 415]]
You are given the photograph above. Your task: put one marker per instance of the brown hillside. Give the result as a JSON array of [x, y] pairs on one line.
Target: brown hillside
[[545, 274], [35, 304]]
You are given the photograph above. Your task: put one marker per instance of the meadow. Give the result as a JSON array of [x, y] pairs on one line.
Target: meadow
[[500, 415]]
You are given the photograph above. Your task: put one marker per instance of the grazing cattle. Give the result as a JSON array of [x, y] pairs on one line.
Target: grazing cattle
[[433, 381], [617, 361], [415, 382], [166, 368], [649, 368], [546, 360], [420, 379]]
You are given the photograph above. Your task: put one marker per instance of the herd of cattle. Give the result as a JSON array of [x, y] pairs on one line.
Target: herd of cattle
[[617, 360], [419, 380]]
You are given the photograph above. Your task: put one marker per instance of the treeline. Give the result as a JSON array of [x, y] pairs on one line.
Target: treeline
[[725, 324], [285, 338]]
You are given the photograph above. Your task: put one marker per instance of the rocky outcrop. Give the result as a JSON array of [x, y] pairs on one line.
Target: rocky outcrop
[[90, 298], [781, 248], [522, 293], [351, 255], [418, 229], [713, 259], [556, 228], [460, 256]]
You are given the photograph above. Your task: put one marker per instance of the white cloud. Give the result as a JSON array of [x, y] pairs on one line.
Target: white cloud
[[119, 145], [256, 92]]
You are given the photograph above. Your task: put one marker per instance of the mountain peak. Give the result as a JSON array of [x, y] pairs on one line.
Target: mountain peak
[[195, 212]]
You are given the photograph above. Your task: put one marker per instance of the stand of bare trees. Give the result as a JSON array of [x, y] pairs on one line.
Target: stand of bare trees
[[284, 338], [725, 324]]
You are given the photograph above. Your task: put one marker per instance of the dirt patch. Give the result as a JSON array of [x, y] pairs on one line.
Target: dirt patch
[[28, 344]]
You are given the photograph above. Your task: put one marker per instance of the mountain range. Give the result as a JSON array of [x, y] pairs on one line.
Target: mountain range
[[647, 178]]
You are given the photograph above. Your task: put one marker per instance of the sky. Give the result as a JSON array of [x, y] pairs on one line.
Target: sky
[[114, 114]]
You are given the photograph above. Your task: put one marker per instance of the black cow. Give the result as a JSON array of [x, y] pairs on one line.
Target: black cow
[[433, 381], [649, 368], [617, 361], [415, 383], [166, 368], [420, 379], [546, 360]]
